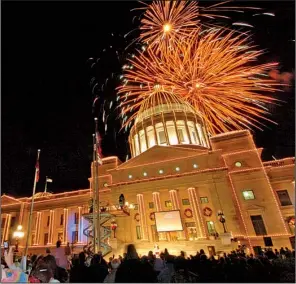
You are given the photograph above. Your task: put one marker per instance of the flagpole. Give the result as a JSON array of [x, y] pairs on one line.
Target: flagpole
[[32, 204], [94, 197], [97, 188], [45, 189]]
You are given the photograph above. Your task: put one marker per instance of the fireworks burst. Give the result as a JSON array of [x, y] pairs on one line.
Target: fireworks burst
[[215, 71], [166, 23]]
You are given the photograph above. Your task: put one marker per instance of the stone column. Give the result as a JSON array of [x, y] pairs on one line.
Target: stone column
[[79, 224], [198, 218], [51, 227], [37, 228], [176, 206], [65, 226], [143, 220], [6, 227]]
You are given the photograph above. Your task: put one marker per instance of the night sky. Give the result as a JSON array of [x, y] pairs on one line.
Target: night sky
[[47, 89]]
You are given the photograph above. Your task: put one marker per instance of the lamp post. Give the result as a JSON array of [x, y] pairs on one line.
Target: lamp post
[[222, 219], [18, 234], [113, 227]]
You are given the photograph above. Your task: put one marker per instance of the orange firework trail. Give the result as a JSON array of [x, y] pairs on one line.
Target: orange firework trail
[[215, 71]]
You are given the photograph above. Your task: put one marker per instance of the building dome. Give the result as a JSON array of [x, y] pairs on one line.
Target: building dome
[[165, 119]]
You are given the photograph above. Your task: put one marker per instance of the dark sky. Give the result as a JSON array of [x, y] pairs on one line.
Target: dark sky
[[47, 97]]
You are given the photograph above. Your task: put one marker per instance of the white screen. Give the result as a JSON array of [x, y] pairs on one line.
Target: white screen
[[168, 221]]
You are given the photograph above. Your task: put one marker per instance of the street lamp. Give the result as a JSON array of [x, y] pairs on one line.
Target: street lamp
[[222, 219], [18, 234]]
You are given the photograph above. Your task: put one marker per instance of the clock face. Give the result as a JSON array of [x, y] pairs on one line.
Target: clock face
[[105, 184]]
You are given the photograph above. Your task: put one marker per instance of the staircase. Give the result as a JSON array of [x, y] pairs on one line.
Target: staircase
[[105, 232]]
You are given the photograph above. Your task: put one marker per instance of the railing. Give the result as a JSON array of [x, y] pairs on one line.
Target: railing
[[106, 214], [279, 163], [88, 231]]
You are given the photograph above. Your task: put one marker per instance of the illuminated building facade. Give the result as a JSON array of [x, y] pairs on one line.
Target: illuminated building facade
[[174, 166]]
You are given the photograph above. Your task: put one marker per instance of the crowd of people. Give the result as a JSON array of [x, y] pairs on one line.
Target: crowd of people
[[155, 267]]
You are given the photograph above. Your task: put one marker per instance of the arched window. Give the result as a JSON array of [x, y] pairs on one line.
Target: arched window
[[201, 135], [160, 134], [182, 133], [142, 141], [136, 142], [150, 136], [172, 133], [193, 134]]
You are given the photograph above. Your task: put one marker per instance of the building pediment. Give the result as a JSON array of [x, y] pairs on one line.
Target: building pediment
[[161, 154], [7, 200]]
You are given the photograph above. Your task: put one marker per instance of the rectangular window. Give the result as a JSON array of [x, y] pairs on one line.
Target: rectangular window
[[32, 239], [284, 197], [151, 205], [258, 225], [168, 203], [194, 137], [248, 194], [12, 221], [48, 220], [76, 218], [62, 220], [74, 237], [161, 137], [211, 227], [45, 239], [181, 135], [2, 223], [185, 202], [138, 231], [136, 206], [155, 236], [204, 200], [190, 224]]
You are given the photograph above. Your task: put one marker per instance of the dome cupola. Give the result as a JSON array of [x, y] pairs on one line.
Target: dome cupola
[[165, 119]]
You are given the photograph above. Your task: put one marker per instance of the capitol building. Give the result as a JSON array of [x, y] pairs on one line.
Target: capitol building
[[224, 195]]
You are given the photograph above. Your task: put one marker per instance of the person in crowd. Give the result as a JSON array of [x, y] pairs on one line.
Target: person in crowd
[[43, 273], [132, 270], [98, 269], [110, 278], [61, 258]]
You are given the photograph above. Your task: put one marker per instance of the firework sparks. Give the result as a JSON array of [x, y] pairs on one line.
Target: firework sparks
[[215, 72], [166, 23]]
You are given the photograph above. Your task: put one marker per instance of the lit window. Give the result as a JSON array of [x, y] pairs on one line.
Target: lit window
[[248, 194], [168, 203], [181, 136], [160, 171], [138, 231], [195, 166], [151, 205], [177, 169], [185, 202], [161, 137], [144, 174], [211, 227], [238, 164], [204, 200], [130, 176], [284, 197]]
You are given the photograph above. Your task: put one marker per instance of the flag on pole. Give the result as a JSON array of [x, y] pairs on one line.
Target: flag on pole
[[37, 170], [48, 180], [98, 148]]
